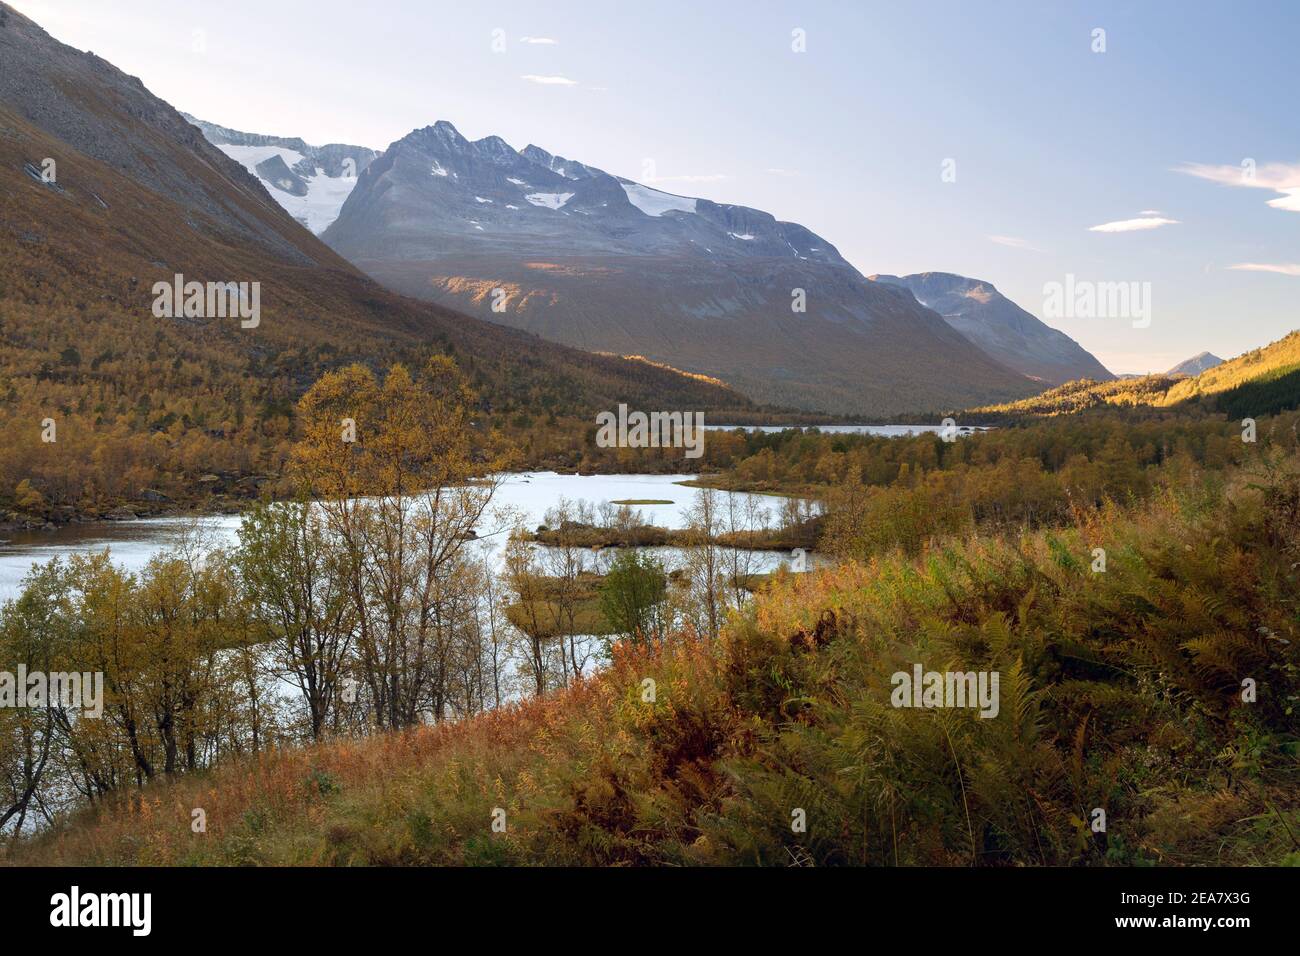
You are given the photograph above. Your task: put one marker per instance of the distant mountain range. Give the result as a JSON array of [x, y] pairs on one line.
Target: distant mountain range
[[606, 264], [1196, 364], [540, 242], [1001, 328], [549, 244]]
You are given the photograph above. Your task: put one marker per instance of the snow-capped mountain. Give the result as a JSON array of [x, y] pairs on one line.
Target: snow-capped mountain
[[311, 182], [545, 243], [1001, 328], [447, 186], [1196, 364]]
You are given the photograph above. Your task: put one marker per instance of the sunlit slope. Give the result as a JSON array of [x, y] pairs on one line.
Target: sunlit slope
[[1260, 382]]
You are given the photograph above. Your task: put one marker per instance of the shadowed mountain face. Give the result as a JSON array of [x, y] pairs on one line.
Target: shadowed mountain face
[[1001, 328], [1196, 364], [96, 112], [137, 195], [543, 243]]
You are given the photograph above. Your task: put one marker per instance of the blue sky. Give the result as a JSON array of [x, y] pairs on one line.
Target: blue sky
[[849, 137]]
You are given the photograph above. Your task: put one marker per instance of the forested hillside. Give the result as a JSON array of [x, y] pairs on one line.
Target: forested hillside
[[1260, 382]]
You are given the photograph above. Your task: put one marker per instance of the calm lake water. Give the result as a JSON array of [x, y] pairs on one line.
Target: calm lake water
[[885, 431], [133, 543]]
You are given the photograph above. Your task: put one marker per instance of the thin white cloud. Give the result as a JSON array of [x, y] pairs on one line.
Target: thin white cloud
[[1289, 201], [777, 171], [1150, 212], [1281, 178], [1013, 242], [1134, 225], [1281, 268], [539, 41], [549, 80]]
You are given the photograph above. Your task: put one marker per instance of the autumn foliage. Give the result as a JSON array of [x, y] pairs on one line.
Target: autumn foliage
[[1121, 690]]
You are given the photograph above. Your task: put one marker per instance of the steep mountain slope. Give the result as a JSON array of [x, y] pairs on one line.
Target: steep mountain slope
[[134, 196], [310, 182], [1001, 328], [1195, 365], [544, 243]]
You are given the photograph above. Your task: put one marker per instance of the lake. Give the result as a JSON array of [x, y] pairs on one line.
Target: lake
[[884, 431], [133, 543]]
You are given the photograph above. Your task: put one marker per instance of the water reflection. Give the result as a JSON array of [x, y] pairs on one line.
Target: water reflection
[[133, 543]]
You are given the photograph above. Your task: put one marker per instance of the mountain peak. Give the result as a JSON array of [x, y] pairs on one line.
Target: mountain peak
[[443, 131], [1195, 365], [1001, 328], [936, 285], [494, 148], [568, 168], [536, 154]]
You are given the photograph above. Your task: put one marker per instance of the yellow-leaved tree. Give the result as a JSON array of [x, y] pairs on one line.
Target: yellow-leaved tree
[[404, 480]]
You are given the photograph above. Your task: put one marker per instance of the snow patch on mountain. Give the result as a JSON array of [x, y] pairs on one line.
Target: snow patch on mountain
[[652, 202], [250, 156], [325, 194], [549, 200]]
